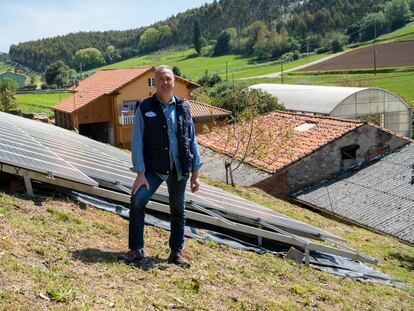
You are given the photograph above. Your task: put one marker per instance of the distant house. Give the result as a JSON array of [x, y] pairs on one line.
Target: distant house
[[297, 150], [19, 78], [103, 104], [355, 103]]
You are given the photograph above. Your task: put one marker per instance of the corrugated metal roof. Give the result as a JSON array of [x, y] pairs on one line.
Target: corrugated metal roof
[[309, 98], [378, 195]]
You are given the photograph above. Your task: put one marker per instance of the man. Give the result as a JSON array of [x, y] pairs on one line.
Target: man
[[164, 148]]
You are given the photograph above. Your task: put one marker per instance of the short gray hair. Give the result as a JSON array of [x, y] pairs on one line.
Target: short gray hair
[[163, 68]]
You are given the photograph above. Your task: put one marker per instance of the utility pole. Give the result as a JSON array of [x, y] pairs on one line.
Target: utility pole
[[375, 61], [281, 70]]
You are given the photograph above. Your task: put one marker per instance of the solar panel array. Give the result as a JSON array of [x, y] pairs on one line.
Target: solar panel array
[[379, 195], [81, 157], [20, 149]]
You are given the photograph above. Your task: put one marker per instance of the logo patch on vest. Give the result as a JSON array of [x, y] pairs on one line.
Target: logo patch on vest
[[150, 114]]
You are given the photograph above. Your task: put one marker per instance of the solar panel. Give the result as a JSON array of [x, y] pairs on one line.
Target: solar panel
[[110, 166], [52, 150], [19, 149]]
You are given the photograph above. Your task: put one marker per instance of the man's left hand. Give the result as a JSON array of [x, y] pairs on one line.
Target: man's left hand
[[194, 183]]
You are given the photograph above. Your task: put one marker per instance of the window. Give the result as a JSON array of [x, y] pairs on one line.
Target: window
[[305, 126], [349, 152], [150, 82], [130, 104]]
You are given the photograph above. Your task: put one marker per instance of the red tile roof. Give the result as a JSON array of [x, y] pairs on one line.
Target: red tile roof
[[102, 83], [201, 110], [99, 84], [276, 144]]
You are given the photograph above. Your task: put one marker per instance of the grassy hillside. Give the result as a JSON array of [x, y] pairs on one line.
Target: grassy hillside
[[195, 67], [4, 66], [57, 255], [400, 83], [39, 102], [405, 33]]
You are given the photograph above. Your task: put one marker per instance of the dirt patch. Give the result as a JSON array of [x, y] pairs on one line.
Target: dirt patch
[[395, 54]]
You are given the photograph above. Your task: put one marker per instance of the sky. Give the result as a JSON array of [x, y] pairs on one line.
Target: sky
[[25, 20]]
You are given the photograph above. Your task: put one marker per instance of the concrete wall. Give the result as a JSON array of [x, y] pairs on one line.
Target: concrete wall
[[327, 161]]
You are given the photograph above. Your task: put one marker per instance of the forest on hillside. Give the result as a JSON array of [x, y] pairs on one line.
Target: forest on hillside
[[267, 29]]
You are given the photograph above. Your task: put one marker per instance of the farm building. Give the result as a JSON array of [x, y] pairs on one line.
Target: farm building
[[19, 78], [378, 195], [386, 108], [290, 151], [103, 104]]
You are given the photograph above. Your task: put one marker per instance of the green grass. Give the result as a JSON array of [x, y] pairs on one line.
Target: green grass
[[56, 255], [194, 67], [238, 66], [405, 33], [400, 34], [4, 66], [400, 83], [39, 102]]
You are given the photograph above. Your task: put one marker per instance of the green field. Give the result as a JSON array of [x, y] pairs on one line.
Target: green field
[[30, 103], [4, 66], [400, 83], [238, 66], [404, 33], [194, 67]]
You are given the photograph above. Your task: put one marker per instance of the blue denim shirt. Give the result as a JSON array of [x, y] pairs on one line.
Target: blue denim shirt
[[137, 141]]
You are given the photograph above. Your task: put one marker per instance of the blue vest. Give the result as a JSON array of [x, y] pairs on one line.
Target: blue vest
[[156, 142]]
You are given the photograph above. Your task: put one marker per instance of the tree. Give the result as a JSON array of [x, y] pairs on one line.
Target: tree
[[111, 54], [197, 37], [222, 45], [88, 58], [8, 88], [207, 80], [176, 71], [239, 101], [373, 25], [165, 36], [397, 13], [254, 33], [149, 39], [334, 41], [246, 137], [57, 73]]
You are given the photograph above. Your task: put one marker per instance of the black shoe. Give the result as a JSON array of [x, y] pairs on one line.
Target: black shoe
[[179, 259], [132, 255]]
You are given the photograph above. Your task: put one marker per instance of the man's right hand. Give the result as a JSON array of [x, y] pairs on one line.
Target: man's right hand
[[140, 180]]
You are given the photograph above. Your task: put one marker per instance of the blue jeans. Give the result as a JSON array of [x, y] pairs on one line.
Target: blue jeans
[[139, 200]]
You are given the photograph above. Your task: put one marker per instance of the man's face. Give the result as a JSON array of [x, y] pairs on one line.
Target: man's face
[[164, 81]]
